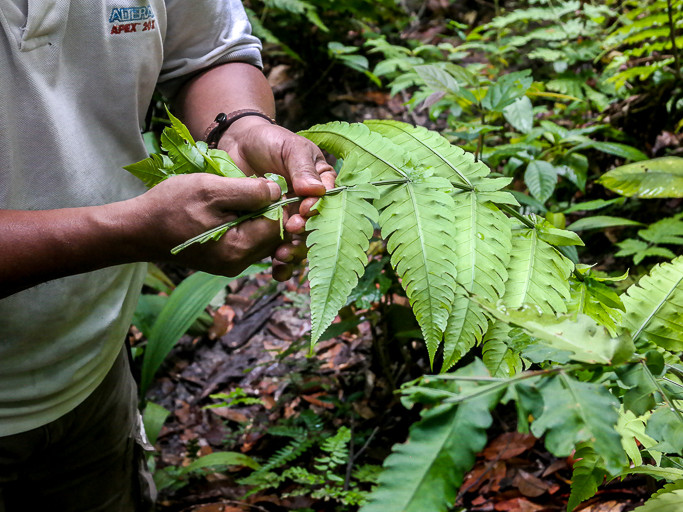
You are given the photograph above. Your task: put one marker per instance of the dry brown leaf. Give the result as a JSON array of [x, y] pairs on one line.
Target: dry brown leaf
[[528, 484], [607, 506], [508, 445], [517, 505]]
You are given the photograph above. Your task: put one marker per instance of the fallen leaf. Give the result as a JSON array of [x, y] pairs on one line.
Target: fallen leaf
[[517, 505], [607, 506], [312, 399], [222, 322], [508, 445], [528, 484]]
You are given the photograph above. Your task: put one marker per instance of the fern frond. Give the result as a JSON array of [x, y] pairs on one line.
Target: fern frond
[[588, 473], [432, 150], [654, 305], [375, 153], [538, 274], [417, 221], [668, 499], [483, 242], [499, 359], [338, 240]]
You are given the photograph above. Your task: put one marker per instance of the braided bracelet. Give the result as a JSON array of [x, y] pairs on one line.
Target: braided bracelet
[[223, 121]]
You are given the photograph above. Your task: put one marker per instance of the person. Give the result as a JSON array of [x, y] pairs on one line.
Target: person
[[76, 79]]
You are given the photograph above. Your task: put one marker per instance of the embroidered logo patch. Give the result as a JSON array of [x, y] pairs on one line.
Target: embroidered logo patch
[[131, 19]]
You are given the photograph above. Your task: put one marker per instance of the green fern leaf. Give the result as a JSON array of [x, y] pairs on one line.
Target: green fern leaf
[[483, 242], [377, 154], [588, 473], [668, 499], [538, 274], [338, 240], [500, 361], [425, 472], [152, 170], [432, 150], [417, 221], [654, 305]]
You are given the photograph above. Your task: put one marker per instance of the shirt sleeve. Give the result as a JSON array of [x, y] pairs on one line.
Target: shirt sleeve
[[200, 34]]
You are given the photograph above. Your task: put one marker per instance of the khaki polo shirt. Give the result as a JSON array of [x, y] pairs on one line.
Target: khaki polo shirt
[[76, 80]]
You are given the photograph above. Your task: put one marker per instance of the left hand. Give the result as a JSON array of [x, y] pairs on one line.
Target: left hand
[[258, 147]]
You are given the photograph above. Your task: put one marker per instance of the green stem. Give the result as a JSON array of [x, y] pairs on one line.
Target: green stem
[[207, 235], [664, 394]]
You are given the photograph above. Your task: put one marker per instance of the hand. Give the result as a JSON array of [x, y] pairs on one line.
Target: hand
[[259, 147], [184, 206]]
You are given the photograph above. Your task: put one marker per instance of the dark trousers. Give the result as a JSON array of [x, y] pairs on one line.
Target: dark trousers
[[86, 461]]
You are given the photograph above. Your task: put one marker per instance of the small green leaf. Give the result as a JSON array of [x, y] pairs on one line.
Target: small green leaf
[[541, 178], [520, 114], [657, 178], [601, 222]]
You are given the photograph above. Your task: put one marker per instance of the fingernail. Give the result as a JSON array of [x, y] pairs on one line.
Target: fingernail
[[275, 191]]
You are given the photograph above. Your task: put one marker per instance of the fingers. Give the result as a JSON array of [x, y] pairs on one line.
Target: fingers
[[305, 165], [240, 194]]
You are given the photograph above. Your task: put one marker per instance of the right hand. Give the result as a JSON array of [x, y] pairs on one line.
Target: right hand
[[184, 206]]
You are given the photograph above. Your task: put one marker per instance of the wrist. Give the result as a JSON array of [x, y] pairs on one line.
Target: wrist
[[223, 122]]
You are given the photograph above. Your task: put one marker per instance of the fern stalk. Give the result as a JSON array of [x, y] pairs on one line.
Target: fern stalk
[[214, 232]]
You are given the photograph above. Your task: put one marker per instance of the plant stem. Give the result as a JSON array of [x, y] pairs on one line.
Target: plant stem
[[207, 235], [664, 394]]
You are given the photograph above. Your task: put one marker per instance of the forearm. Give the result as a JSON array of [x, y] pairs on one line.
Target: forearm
[[225, 88], [38, 246]]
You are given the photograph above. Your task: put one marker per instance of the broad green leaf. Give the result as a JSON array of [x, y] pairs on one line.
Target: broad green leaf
[[152, 170], [417, 221], [225, 165], [557, 237], [601, 222], [654, 305], [666, 427], [179, 128], [592, 297], [425, 472], [436, 78], [506, 90], [185, 155], [153, 419], [184, 305], [581, 336], [338, 243], [221, 459], [520, 114], [669, 474], [432, 150], [617, 149], [668, 499], [656, 178], [587, 474], [541, 178], [483, 241], [575, 412], [383, 159]]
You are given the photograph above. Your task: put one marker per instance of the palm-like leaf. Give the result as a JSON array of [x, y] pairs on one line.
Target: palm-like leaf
[[375, 153], [338, 241], [432, 150], [483, 242], [417, 222], [654, 306]]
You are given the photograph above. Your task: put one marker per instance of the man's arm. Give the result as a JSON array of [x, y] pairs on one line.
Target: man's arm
[[38, 246]]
